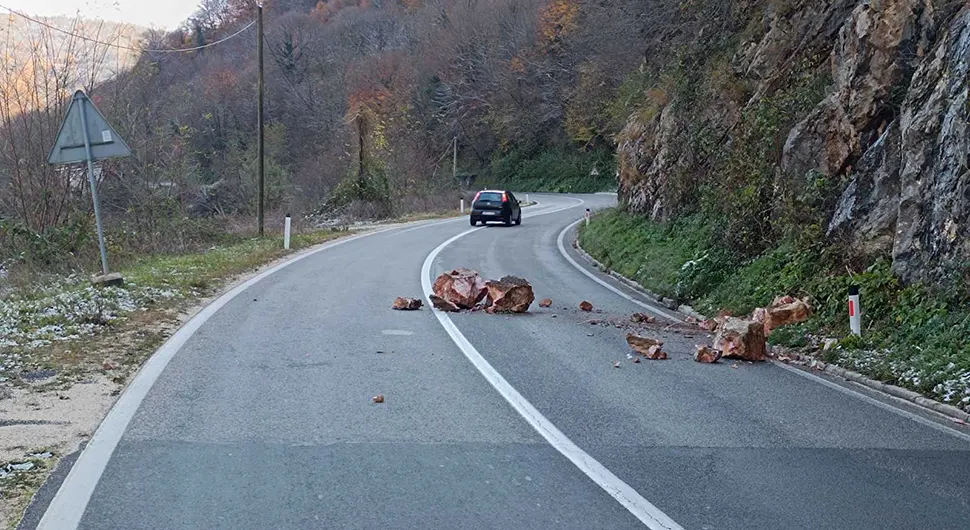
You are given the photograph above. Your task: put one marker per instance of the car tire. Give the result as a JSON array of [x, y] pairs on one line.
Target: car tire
[[508, 220], [473, 221], [518, 220]]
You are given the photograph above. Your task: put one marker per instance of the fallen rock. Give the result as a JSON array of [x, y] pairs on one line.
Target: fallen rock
[[586, 306], [707, 325], [511, 294], [407, 304], [741, 339], [379, 398], [545, 302], [616, 364], [462, 287], [441, 304], [650, 348], [705, 354], [642, 318], [785, 311]]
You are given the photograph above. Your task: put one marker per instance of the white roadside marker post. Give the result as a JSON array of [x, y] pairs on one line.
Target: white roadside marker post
[[855, 311], [287, 225], [588, 215], [463, 206]]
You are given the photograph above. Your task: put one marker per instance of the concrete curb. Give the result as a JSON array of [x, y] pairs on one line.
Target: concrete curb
[[892, 390]]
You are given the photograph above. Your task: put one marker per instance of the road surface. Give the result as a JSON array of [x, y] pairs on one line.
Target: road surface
[[263, 417]]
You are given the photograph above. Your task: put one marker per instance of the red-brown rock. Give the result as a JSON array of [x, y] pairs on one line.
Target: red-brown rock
[[741, 339], [586, 306], [707, 325], [462, 287], [705, 354], [443, 305], [646, 347], [511, 294], [545, 302], [785, 312], [407, 304], [642, 318]]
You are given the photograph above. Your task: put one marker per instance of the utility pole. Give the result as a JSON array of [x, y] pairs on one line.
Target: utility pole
[[259, 116], [454, 162]]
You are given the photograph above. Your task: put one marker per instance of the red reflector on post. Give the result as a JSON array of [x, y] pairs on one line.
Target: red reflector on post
[[851, 308]]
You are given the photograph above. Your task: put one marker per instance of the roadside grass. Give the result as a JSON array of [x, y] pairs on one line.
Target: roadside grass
[[914, 336], [17, 485]]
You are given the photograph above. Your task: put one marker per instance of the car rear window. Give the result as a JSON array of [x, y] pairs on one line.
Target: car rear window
[[490, 196]]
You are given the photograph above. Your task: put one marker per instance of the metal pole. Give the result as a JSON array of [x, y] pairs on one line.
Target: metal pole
[[94, 186], [259, 115]]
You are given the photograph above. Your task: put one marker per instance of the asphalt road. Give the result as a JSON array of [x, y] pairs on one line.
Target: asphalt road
[[263, 418]]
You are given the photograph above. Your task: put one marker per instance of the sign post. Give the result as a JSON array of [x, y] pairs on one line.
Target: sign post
[[85, 136]]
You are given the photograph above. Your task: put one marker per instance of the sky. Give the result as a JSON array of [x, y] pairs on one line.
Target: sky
[[162, 14]]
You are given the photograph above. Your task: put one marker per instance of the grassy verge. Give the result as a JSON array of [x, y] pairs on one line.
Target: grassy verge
[[914, 336]]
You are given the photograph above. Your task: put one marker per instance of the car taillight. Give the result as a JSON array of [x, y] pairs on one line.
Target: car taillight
[[505, 198], [476, 197]]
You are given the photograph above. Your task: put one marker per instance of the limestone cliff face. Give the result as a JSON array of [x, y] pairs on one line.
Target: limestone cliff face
[[891, 135]]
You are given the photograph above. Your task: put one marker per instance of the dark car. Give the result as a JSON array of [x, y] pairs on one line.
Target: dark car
[[496, 205]]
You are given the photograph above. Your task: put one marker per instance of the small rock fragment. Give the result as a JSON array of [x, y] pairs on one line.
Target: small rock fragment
[[642, 318], [545, 302], [586, 306], [616, 364], [705, 354], [708, 325], [636, 360], [379, 398], [407, 304]]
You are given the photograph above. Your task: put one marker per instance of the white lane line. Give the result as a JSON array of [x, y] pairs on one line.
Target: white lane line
[[873, 401], [648, 307], [641, 508], [68, 505]]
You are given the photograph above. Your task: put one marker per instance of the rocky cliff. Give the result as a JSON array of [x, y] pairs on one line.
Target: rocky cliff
[[847, 118]]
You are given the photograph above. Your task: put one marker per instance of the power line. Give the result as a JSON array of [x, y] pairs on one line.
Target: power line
[[122, 47]]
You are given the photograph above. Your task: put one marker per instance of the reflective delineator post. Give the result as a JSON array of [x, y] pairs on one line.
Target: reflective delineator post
[[287, 225], [463, 206], [855, 311], [588, 215]]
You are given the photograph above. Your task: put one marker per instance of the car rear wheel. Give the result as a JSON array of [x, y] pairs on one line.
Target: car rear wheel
[[508, 220], [518, 220], [473, 221]]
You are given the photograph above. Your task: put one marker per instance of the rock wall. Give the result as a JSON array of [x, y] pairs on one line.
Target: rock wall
[[891, 135]]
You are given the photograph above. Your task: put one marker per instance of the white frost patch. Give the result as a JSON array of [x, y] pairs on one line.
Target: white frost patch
[[68, 310]]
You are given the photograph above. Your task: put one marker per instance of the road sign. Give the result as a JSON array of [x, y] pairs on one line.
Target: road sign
[[85, 136], [69, 147]]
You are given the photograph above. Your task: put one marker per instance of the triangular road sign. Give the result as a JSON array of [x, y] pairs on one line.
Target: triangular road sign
[[69, 146]]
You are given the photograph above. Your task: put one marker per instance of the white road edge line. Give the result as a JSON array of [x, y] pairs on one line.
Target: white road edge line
[[819, 379], [648, 307], [873, 401], [629, 498], [69, 503]]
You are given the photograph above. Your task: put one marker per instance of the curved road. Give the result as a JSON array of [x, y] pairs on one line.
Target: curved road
[[263, 417]]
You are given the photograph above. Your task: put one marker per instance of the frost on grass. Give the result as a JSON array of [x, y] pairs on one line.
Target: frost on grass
[[70, 309], [943, 380]]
